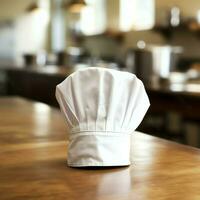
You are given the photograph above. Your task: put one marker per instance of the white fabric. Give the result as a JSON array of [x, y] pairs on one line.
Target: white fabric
[[102, 107]]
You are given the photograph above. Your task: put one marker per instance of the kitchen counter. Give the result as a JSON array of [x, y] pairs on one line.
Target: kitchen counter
[[33, 139], [38, 83], [189, 88]]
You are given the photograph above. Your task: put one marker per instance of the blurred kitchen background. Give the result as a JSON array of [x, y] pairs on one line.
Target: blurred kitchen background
[[43, 41]]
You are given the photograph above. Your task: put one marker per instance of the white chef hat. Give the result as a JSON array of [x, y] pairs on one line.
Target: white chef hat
[[102, 107]]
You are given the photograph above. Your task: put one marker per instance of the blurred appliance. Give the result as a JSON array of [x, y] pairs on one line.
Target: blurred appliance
[[77, 55], [165, 59], [30, 59], [71, 56], [174, 16], [139, 62], [153, 61], [38, 59], [62, 58]]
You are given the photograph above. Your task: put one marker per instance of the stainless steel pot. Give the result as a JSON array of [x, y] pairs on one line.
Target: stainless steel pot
[[153, 61]]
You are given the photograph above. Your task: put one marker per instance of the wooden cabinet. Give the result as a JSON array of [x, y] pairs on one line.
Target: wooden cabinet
[[36, 86]]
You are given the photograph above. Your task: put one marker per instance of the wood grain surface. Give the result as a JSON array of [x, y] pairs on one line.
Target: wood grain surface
[[33, 146]]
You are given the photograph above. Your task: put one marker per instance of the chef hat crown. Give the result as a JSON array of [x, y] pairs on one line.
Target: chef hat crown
[[102, 107]]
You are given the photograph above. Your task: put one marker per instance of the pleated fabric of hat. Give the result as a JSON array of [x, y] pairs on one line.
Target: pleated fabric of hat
[[102, 108]]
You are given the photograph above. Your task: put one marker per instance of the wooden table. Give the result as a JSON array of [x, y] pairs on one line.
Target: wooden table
[[33, 162]]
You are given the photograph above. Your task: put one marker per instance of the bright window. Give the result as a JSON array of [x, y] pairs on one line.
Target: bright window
[[137, 14], [93, 17]]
